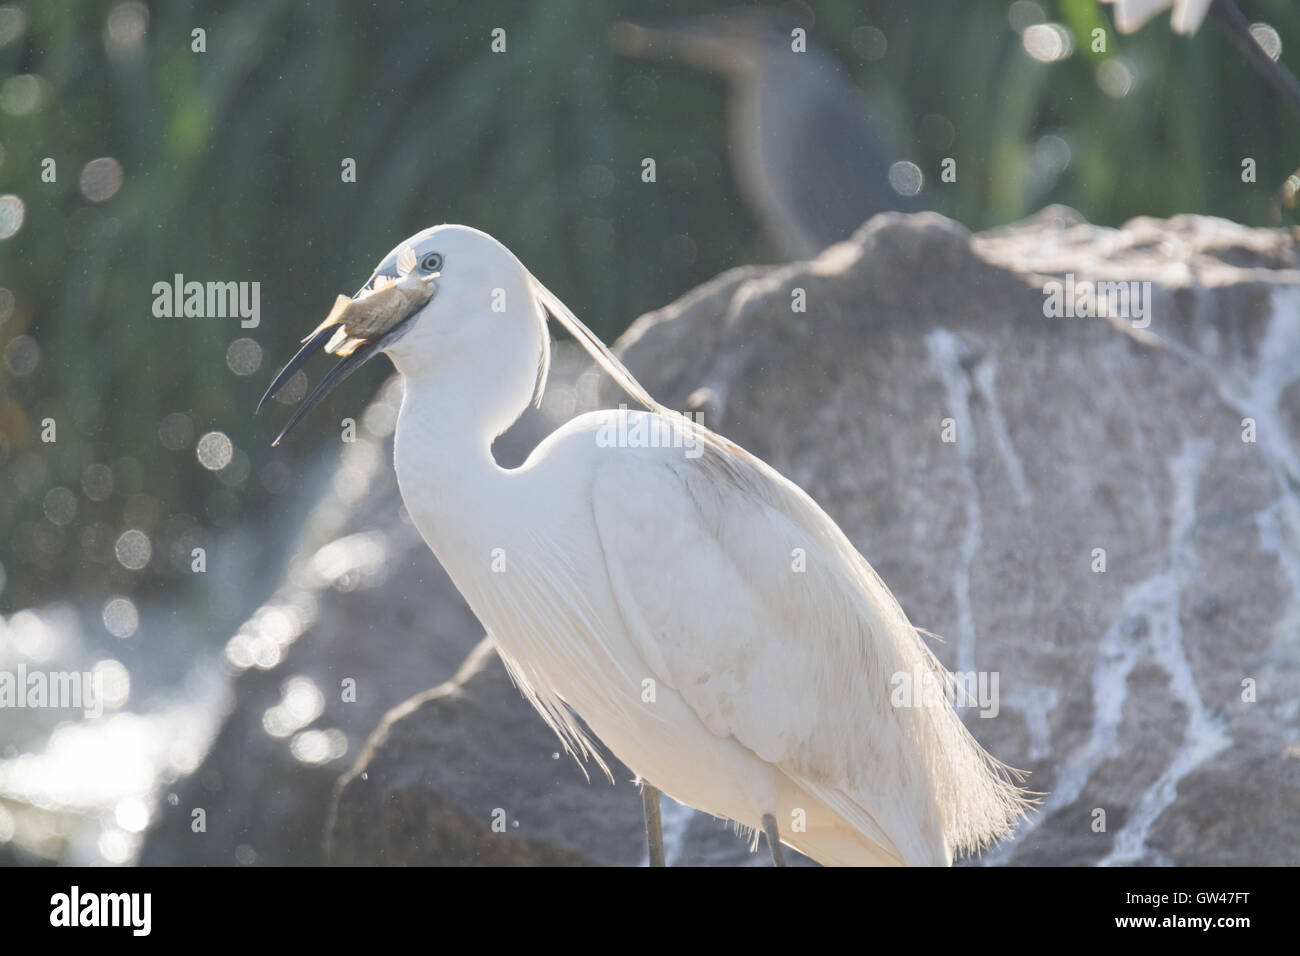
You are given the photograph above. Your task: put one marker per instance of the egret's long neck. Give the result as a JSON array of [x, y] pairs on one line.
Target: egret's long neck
[[464, 386], [444, 434], [452, 486]]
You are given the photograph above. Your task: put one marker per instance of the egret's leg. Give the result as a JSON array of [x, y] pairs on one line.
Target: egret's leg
[[773, 839], [654, 828]]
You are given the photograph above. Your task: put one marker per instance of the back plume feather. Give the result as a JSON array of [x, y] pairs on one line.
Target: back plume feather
[[593, 345]]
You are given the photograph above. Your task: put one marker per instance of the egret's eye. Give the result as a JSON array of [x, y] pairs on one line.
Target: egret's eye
[[432, 262]]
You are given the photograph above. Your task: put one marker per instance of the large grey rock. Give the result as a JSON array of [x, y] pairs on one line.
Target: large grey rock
[[1121, 690], [464, 773]]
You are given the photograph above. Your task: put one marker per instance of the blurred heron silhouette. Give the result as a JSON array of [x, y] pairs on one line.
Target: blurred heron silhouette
[[708, 622], [809, 158]]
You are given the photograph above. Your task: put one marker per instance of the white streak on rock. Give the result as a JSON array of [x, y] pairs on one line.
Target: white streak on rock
[[1203, 735], [985, 376], [1148, 624], [1036, 702], [945, 354]]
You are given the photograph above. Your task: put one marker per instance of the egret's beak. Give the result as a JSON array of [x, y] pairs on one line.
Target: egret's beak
[[357, 329]]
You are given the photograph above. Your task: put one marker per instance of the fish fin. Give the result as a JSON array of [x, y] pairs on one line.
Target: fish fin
[[340, 336], [336, 315], [406, 261]]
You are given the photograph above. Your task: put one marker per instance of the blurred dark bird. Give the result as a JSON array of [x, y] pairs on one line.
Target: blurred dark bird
[[806, 153]]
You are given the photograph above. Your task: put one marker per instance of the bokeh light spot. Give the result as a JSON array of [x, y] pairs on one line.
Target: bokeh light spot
[[1114, 78], [293, 391], [113, 682], [126, 26], [22, 355], [214, 451], [121, 619], [101, 179], [97, 482], [906, 178], [21, 95], [1268, 39], [12, 212], [1023, 14], [1047, 42], [133, 549], [13, 21], [244, 356], [869, 43], [176, 431], [60, 506]]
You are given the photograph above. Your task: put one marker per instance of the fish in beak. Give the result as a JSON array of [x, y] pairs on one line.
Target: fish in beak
[[357, 329]]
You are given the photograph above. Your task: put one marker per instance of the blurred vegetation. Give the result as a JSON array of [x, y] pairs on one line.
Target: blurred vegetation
[[231, 164]]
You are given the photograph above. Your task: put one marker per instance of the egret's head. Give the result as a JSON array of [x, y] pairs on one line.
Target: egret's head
[[452, 303], [448, 298]]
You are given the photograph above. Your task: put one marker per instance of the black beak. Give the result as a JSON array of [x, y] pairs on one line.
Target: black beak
[[317, 341], [338, 373]]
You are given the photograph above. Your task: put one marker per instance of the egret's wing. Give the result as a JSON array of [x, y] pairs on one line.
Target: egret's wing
[[749, 602]]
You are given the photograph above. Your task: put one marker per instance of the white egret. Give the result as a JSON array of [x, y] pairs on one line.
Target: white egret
[[708, 621]]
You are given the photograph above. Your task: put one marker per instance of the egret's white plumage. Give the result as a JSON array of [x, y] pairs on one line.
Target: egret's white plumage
[[653, 589]]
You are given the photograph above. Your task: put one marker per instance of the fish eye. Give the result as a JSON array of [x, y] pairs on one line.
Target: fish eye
[[432, 262]]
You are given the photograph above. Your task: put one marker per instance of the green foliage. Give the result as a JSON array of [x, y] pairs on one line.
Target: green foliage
[[232, 162]]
